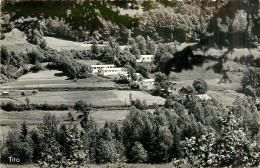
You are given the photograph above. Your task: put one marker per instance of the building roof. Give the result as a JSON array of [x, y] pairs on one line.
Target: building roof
[[148, 80], [105, 65], [119, 68], [147, 55]]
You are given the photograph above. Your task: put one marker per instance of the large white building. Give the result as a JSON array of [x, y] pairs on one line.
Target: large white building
[[112, 71], [94, 68], [146, 84], [146, 58]]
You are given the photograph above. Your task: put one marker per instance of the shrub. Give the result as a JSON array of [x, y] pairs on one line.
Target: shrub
[[36, 68], [251, 78], [200, 86], [257, 92], [249, 91], [187, 90]]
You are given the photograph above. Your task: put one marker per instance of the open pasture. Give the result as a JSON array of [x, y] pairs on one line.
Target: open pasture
[[214, 80], [55, 79], [33, 118], [109, 97]]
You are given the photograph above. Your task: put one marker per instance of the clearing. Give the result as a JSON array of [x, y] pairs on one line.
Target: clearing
[[55, 79], [33, 118], [99, 98], [16, 41]]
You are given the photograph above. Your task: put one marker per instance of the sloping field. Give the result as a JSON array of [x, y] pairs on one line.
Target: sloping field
[[227, 97], [33, 118], [110, 97], [16, 41], [59, 44], [54, 78], [214, 80]]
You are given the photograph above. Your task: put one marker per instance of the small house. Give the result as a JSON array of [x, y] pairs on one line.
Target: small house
[[147, 84], [146, 58], [94, 68], [5, 93], [112, 71]]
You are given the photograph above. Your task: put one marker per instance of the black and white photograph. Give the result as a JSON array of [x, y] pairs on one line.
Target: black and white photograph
[[130, 84]]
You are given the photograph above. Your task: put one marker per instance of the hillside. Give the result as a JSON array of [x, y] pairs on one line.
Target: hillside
[[16, 41]]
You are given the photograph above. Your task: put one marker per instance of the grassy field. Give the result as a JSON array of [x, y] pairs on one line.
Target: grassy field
[[16, 41], [54, 78], [225, 91], [213, 79], [110, 97], [60, 44], [33, 118]]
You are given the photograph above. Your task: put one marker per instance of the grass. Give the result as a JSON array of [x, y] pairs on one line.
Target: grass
[[225, 92], [16, 41], [54, 78], [33, 118], [110, 97]]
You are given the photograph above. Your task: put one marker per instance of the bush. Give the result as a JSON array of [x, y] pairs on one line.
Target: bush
[[187, 90], [249, 91], [200, 86], [36, 68], [257, 92]]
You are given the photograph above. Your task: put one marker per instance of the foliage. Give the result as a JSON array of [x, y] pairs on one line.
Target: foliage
[[138, 153], [231, 147], [251, 78], [200, 86], [17, 145], [36, 68], [50, 154], [10, 106]]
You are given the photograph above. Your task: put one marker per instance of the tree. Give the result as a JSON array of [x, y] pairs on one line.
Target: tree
[[200, 86], [74, 151], [134, 49], [27, 100], [138, 153], [249, 91], [140, 40], [50, 154], [16, 146], [24, 132], [151, 47], [251, 78]]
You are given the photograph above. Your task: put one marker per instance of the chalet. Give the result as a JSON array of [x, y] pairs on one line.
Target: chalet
[[5, 93], [112, 71], [95, 68], [146, 84], [146, 58]]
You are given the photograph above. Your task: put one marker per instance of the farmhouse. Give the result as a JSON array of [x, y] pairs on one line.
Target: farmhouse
[[112, 71], [146, 58], [146, 84], [5, 93], [94, 68]]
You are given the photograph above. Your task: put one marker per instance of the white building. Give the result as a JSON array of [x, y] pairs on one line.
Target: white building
[[94, 68], [146, 84], [146, 58], [112, 71]]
